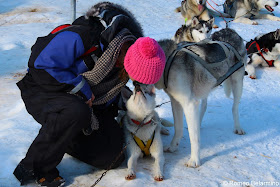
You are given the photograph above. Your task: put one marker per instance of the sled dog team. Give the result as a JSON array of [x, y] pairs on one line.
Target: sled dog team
[[197, 62]]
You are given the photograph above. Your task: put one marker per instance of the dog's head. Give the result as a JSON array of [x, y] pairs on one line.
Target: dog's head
[[267, 4], [198, 30], [142, 102], [200, 4], [201, 29]]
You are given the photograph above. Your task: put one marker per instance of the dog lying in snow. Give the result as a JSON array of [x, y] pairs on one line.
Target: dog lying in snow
[[243, 10], [146, 139], [263, 50]]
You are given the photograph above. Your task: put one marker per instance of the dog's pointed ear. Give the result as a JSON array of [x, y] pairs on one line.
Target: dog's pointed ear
[[211, 21], [194, 21], [153, 89], [277, 34]]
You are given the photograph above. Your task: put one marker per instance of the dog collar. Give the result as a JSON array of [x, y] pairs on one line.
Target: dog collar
[[138, 122], [186, 19]]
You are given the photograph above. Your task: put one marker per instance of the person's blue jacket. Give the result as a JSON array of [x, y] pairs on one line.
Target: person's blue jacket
[[57, 60]]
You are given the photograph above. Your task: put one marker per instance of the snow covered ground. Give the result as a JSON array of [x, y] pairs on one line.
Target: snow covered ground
[[227, 159]]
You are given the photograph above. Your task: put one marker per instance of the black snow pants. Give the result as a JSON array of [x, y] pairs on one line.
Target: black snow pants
[[63, 116]]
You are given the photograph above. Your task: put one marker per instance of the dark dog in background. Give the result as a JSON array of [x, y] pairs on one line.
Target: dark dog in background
[[263, 50]]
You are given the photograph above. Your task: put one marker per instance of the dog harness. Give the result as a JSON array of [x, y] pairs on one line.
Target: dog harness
[[145, 148], [211, 67], [269, 62]]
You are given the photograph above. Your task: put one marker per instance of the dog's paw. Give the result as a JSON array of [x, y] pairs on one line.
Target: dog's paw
[[239, 131], [215, 26], [130, 176], [158, 178], [277, 65], [170, 148], [253, 76], [158, 175], [166, 123], [164, 131], [275, 19], [254, 23], [193, 163]]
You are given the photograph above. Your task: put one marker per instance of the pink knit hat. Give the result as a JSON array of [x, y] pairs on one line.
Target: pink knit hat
[[145, 61]]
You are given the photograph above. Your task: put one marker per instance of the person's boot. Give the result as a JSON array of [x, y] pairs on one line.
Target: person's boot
[[57, 182]]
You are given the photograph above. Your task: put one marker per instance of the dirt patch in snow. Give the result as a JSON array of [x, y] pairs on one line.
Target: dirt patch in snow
[[26, 15]]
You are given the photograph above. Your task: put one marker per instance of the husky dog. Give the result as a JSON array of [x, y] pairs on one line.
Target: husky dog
[[189, 84], [192, 8], [243, 10], [198, 30], [263, 50], [143, 140]]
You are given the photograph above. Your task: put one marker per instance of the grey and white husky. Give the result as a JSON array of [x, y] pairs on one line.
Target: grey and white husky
[[243, 10], [145, 140], [196, 31], [189, 85]]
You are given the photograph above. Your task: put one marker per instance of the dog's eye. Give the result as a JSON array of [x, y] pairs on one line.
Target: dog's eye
[[200, 31], [150, 93]]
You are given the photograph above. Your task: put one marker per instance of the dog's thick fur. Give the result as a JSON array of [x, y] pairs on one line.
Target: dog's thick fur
[[198, 30], [189, 84], [193, 8], [270, 48], [114, 9], [140, 107], [243, 10]]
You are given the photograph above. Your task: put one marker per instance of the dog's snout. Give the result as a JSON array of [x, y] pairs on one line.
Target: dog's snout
[[137, 88], [200, 2], [276, 3]]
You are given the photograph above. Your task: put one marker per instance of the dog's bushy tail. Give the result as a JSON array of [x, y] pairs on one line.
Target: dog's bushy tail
[[227, 87]]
